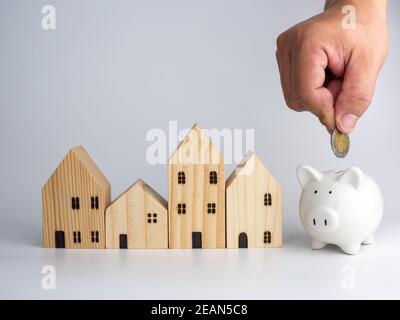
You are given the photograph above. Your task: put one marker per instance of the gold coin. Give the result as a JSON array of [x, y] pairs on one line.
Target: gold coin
[[340, 143]]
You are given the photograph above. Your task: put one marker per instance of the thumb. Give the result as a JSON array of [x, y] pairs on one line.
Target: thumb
[[358, 87]]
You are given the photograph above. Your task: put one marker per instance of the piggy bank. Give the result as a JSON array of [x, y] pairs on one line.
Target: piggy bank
[[343, 208]]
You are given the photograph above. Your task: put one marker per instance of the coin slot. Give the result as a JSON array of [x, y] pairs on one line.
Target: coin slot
[[313, 220]]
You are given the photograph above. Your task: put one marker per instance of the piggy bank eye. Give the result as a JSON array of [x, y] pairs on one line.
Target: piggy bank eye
[[330, 192], [315, 191]]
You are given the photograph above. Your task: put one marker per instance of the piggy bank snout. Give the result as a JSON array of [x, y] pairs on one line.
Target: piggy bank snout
[[322, 219]]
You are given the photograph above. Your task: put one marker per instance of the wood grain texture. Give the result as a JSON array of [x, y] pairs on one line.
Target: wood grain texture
[[246, 211], [76, 176], [129, 215], [196, 157]]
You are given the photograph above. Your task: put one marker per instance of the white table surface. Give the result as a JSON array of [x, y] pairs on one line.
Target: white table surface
[[294, 271]]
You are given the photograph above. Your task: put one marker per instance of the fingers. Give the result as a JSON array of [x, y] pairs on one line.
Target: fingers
[[355, 95], [333, 86], [302, 78], [307, 82], [320, 102], [283, 58]]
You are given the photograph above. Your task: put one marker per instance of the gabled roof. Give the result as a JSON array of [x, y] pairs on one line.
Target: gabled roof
[[196, 148], [144, 187], [248, 166], [89, 164], [79, 153]]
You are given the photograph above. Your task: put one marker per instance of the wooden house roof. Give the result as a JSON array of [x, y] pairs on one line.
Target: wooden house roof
[[79, 154], [142, 186], [196, 148], [250, 164]]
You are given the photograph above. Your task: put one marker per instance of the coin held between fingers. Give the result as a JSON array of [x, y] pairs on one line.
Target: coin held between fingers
[[340, 143]]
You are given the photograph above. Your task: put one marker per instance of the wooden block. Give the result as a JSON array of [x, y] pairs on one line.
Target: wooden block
[[138, 218], [74, 200], [253, 206], [196, 183]]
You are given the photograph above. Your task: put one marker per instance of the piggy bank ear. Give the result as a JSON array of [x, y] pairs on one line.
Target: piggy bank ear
[[307, 174], [352, 176]]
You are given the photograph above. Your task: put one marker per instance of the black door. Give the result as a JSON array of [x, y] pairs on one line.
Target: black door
[[123, 241], [60, 239], [243, 240], [196, 240]]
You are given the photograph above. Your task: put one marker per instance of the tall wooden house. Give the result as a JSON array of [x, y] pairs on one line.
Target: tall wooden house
[[196, 202], [253, 206], [74, 200], [138, 218]]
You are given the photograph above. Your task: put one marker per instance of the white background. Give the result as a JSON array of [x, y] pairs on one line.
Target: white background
[[110, 72]]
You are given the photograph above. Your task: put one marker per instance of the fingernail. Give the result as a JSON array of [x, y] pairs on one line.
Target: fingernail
[[348, 122]]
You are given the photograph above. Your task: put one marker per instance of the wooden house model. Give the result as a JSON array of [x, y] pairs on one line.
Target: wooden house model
[[74, 200], [253, 206], [196, 184], [138, 218]]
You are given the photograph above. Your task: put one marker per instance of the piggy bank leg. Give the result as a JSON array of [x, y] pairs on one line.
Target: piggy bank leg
[[353, 248], [316, 245], [368, 240]]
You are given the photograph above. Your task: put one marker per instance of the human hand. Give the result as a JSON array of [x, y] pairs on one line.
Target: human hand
[[329, 70]]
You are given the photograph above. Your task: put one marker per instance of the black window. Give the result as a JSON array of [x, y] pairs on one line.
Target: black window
[[95, 237], [213, 177], [94, 202], [181, 208], [149, 216], [267, 237], [267, 199], [181, 177], [77, 237], [75, 203], [211, 208]]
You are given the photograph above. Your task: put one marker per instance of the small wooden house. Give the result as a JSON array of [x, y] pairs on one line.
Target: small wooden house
[[138, 218], [74, 200], [196, 202], [253, 206]]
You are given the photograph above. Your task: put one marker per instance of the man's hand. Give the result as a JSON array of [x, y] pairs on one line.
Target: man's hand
[[329, 70]]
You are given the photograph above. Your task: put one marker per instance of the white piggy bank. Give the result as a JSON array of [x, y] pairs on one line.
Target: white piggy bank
[[339, 207]]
